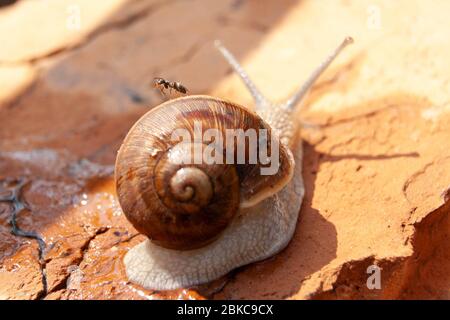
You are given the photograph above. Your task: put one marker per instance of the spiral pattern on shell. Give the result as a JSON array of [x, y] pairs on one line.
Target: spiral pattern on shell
[[180, 204]]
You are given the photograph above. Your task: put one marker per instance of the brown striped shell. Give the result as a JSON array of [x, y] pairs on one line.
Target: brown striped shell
[[186, 205]]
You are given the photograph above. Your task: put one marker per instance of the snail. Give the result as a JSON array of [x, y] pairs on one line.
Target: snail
[[203, 219]]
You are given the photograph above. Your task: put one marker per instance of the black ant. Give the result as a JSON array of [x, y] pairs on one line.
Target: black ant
[[163, 84]]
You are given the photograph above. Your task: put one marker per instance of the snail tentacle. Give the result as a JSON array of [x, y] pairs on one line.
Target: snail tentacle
[[298, 96], [260, 101]]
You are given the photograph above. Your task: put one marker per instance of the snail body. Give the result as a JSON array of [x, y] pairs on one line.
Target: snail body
[[205, 219]]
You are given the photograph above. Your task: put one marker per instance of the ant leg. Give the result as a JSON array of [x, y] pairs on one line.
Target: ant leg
[[162, 92]]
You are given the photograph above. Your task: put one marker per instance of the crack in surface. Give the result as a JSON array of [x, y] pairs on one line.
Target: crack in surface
[[330, 122], [412, 178], [402, 270], [28, 90], [62, 284], [422, 171], [93, 35], [182, 59], [427, 237], [14, 196]]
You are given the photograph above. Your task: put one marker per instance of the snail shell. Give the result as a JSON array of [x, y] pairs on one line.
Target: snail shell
[[268, 206], [187, 205]]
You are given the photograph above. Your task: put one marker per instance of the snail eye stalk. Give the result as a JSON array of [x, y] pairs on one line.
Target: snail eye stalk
[[260, 101]]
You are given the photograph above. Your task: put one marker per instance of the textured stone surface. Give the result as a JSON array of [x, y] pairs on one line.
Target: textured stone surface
[[377, 141]]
